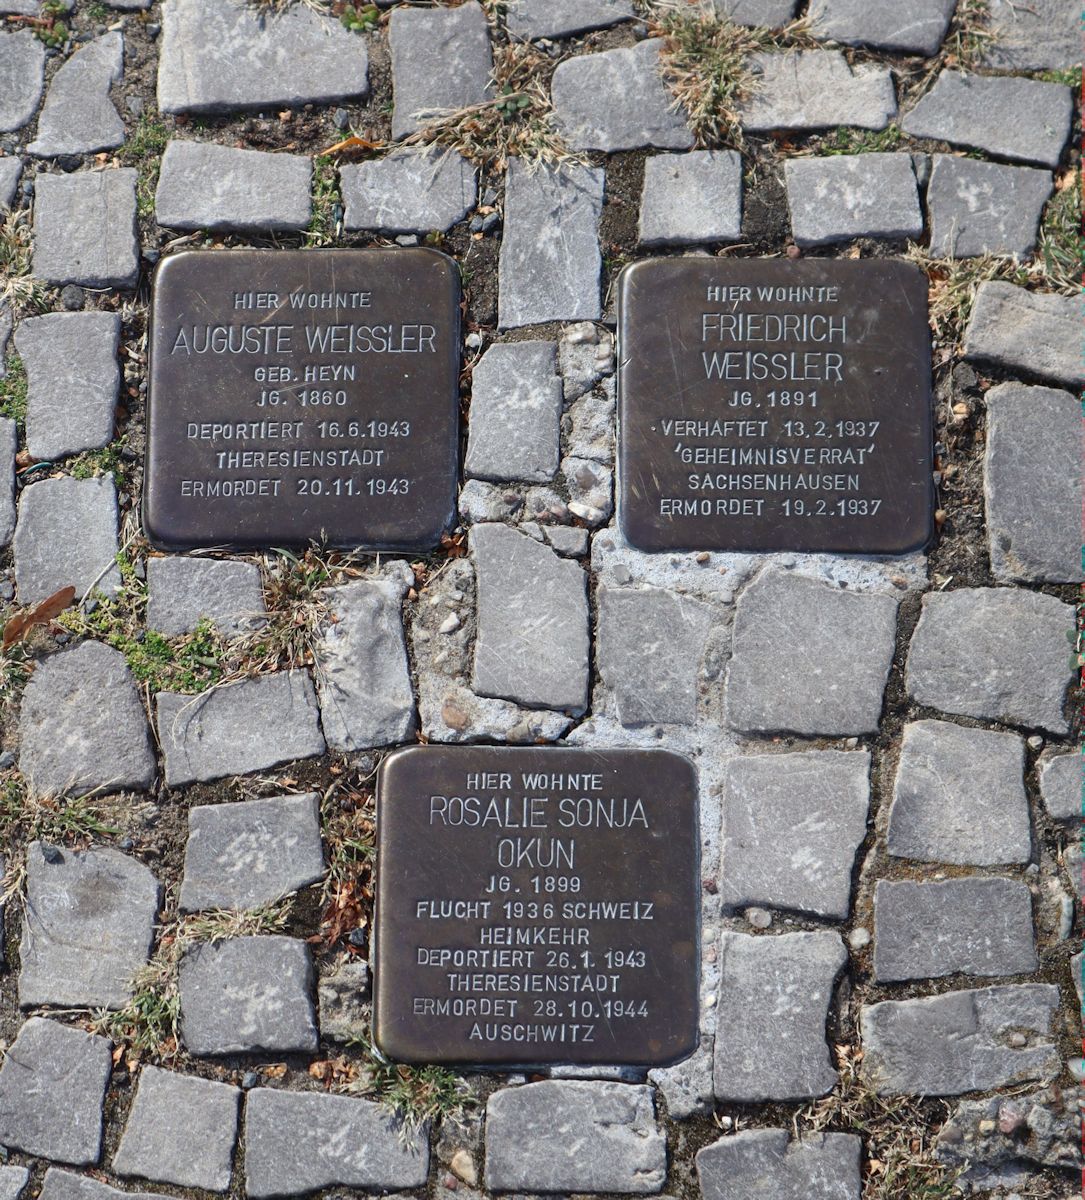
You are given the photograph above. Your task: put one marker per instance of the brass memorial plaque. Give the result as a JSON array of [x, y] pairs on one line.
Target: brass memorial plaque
[[536, 906]]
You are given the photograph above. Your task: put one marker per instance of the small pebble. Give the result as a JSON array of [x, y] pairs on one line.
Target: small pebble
[[1018, 1040], [407, 239], [249, 1080], [449, 624], [859, 937], [987, 1128], [72, 298], [759, 918], [340, 118], [51, 854], [463, 1165], [358, 938], [1036, 742], [473, 341], [7, 759], [1076, 1067]]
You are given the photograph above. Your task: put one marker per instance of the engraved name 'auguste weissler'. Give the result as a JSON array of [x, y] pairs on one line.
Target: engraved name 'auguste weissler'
[[301, 413], [542, 969], [779, 446]]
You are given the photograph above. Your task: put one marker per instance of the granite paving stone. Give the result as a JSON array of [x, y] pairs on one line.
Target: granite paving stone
[[180, 1130], [974, 926], [691, 198], [769, 1163], [343, 999], [589, 428], [9, 445], [808, 677], [529, 19], [66, 534], [12, 1182], [1042, 35], [11, 167], [768, 14], [52, 1086], [774, 999], [792, 824], [441, 61], [182, 592], [222, 188], [82, 726], [1030, 333], [243, 856], [959, 1042], [1073, 861], [22, 71], [550, 264], [222, 55], [647, 115], [88, 927], [1032, 476], [363, 677], [72, 376], [1061, 786], [408, 191], [574, 1136], [959, 796], [31, 8], [65, 1185], [994, 653], [915, 27], [532, 644], [78, 116], [847, 196], [247, 995], [984, 208], [651, 647], [516, 404], [817, 89], [85, 228], [590, 488], [247, 726], [585, 357], [298, 1142], [1021, 119], [7, 323]]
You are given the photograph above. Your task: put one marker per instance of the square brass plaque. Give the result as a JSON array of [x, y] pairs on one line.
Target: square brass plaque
[[774, 405], [303, 395], [536, 906]]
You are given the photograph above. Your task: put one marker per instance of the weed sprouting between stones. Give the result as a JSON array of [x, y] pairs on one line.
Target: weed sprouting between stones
[[706, 64], [326, 221], [143, 150], [13, 391], [969, 35], [860, 141], [19, 291], [518, 122], [107, 461]]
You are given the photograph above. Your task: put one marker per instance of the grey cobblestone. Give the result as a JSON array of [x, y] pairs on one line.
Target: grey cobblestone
[[1020, 119], [12, 1182], [10, 169], [973, 926], [1042, 35], [846, 653], [647, 115], [343, 996], [1033, 484], [181, 1130], [441, 61], [181, 592], [585, 357], [88, 927], [85, 228], [243, 856], [52, 1086], [957, 1042], [767, 1162], [408, 191], [959, 796], [530, 19], [994, 653], [247, 726], [516, 401], [914, 27], [82, 726], [205, 186], [9, 445], [589, 427], [774, 1000], [1029, 332], [218, 55], [574, 1136], [984, 208], [73, 376], [363, 677], [65, 1185], [847, 196], [817, 89], [22, 71], [771, 14], [792, 824], [691, 198], [246, 995], [543, 276], [78, 116], [1061, 786], [298, 1142]]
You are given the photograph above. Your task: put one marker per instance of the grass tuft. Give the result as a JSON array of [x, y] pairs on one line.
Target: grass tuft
[[517, 123], [13, 388], [706, 64], [1061, 248], [19, 290], [61, 819], [969, 35], [846, 140], [326, 221], [143, 150]]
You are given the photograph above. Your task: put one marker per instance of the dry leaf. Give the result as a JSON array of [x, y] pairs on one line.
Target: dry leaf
[[41, 614], [353, 143]]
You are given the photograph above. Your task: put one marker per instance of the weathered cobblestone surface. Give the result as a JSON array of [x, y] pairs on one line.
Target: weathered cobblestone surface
[[10, 170], [22, 69], [984, 208], [84, 228], [691, 198], [1061, 786], [560, 18], [1026, 332], [915, 27], [78, 116], [243, 856], [817, 89], [12, 1182], [769, 1162], [1038, 36], [65, 1185], [852, 195], [182, 592], [408, 192], [9, 445]]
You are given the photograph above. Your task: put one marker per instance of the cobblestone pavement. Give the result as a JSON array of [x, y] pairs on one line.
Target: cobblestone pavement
[[890, 796]]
